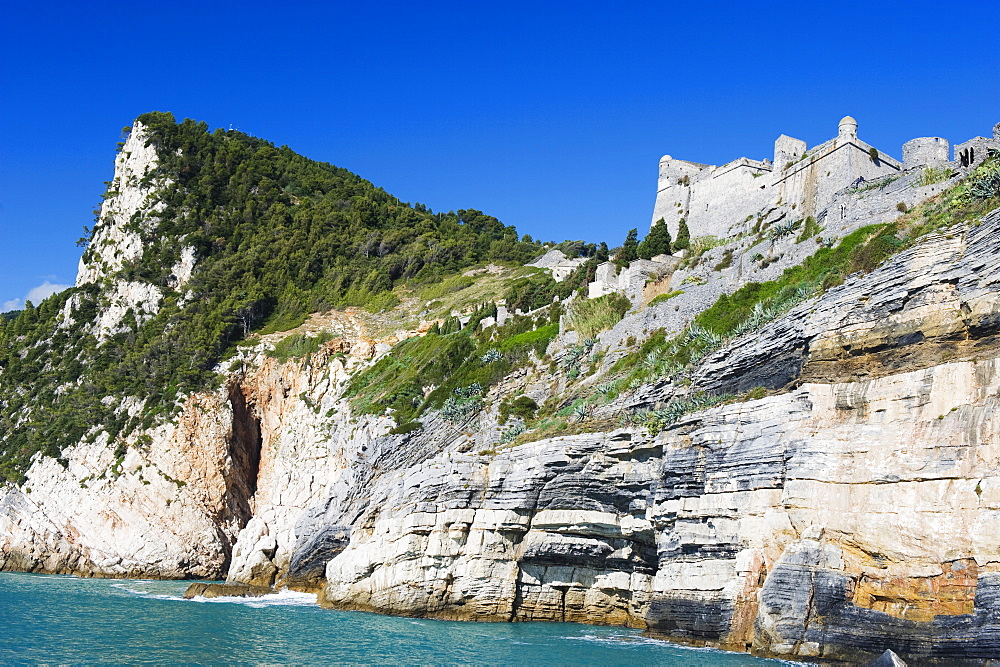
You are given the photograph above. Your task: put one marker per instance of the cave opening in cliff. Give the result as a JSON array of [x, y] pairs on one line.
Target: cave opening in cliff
[[244, 452]]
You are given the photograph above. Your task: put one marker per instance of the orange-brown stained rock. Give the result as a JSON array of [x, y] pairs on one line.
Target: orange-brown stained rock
[[920, 598]]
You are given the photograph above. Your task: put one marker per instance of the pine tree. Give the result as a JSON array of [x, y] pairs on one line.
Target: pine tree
[[603, 254], [657, 242], [683, 241]]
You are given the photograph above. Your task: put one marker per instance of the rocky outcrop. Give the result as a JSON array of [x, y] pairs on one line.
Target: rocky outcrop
[[168, 507], [846, 512], [129, 204], [205, 590]]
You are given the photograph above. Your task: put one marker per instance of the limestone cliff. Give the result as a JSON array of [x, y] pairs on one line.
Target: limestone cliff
[[835, 498]]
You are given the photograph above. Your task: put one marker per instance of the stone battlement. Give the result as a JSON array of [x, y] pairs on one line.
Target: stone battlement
[[714, 200]]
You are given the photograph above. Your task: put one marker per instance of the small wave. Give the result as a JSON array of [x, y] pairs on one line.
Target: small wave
[[283, 598], [133, 591]]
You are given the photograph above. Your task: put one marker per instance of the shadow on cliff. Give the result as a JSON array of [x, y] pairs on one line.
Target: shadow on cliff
[[244, 466]]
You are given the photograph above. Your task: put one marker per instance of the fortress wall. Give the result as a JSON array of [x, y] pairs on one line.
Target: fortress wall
[[974, 151], [673, 196], [727, 198], [787, 149], [811, 184]]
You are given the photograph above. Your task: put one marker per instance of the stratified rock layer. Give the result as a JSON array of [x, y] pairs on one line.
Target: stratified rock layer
[[851, 511]]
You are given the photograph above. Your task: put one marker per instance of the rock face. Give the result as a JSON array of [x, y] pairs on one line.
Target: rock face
[[129, 203], [171, 508], [849, 511]]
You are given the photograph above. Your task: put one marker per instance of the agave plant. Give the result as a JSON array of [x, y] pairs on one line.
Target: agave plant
[[511, 433], [985, 182], [606, 387], [474, 389], [783, 229], [457, 410], [492, 355]]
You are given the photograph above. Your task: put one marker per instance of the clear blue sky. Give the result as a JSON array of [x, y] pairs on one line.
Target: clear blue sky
[[551, 116]]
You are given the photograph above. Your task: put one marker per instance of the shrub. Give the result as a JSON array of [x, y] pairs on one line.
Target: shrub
[[522, 406], [985, 181], [726, 261], [702, 244]]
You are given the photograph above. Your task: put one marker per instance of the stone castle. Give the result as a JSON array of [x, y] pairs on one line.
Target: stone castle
[[714, 200]]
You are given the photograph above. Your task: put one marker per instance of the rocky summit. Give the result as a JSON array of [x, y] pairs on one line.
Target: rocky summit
[[773, 428]]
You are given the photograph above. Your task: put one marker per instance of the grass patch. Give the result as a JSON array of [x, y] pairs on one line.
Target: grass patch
[[932, 175], [810, 228], [590, 317], [536, 339], [666, 297], [298, 346], [448, 365], [450, 285]]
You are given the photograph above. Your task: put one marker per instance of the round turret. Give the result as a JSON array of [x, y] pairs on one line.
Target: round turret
[[925, 151], [848, 128]]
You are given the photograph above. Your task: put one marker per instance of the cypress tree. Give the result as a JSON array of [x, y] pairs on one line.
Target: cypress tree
[[683, 241], [657, 242], [630, 249]]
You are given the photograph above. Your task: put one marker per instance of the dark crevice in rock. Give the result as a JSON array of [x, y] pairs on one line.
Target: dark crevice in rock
[[313, 551], [241, 477]]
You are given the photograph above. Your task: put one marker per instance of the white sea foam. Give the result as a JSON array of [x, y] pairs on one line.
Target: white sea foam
[[283, 598]]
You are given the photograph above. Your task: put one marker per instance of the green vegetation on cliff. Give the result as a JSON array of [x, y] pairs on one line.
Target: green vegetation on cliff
[[276, 236], [755, 304], [451, 365]]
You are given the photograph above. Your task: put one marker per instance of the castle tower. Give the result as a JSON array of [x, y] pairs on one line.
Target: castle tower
[[929, 151], [848, 128]]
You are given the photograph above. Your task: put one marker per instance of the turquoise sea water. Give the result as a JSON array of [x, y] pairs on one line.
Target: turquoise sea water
[[67, 619]]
